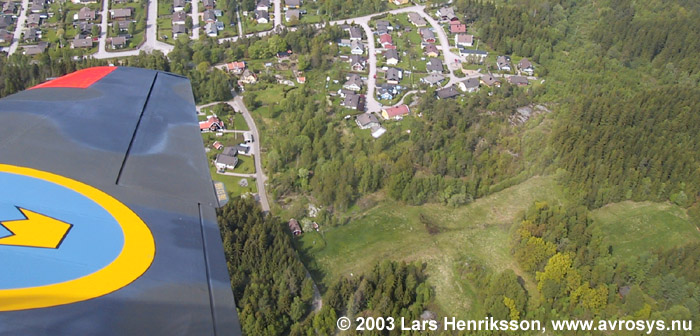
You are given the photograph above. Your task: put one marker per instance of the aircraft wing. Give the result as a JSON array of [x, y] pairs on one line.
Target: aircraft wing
[[107, 210]]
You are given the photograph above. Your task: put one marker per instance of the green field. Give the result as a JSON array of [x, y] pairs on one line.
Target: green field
[[634, 228], [392, 231]]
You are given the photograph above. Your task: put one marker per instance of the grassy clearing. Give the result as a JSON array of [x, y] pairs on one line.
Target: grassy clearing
[[231, 183], [479, 231], [633, 228]]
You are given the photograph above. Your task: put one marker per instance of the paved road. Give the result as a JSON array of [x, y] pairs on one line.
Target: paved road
[[260, 179], [278, 14], [21, 21], [371, 103], [195, 19], [240, 25], [151, 43], [102, 46], [447, 54]]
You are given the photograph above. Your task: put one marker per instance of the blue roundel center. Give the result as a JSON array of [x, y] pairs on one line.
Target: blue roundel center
[[93, 241]]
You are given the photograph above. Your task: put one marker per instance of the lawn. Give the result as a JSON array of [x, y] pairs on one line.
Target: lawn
[[231, 183], [393, 231], [633, 228]]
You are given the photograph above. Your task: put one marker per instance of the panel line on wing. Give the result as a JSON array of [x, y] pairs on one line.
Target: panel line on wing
[[206, 267], [133, 136]]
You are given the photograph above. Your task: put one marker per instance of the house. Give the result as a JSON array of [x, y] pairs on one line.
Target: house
[[357, 48], [448, 92], [446, 14], [352, 101], [116, 2], [294, 227], [217, 145], [85, 14], [292, 14], [525, 66], [225, 161], [262, 16], [5, 36], [344, 92], [396, 112], [357, 63], [392, 57], [301, 79], [179, 5], [37, 7], [81, 42], [464, 40], [344, 43], [218, 12], [178, 18], [35, 49], [263, 5], [388, 91], [366, 120], [354, 83], [32, 34], [433, 79], [503, 63], [124, 25], [8, 7], [209, 16], [179, 29], [431, 50], [386, 41], [118, 42], [6, 21], [473, 56], [399, 2], [377, 131], [283, 55], [518, 80], [33, 20], [230, 151], [208, 4], [434, 65], [427, 35], [292, 4], [393, 75], [121, 13], [469, 85], [211, 124], [236, 67], [383, 27], [249, 77], [210, 29], [416, 19], [243, 149], [457, 28], [490, 81], [355, 33]]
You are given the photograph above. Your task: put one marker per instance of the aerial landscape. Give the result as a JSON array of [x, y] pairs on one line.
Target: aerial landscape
[[398, 164]]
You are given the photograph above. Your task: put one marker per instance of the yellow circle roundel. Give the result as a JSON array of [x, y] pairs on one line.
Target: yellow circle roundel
[[63, 241]]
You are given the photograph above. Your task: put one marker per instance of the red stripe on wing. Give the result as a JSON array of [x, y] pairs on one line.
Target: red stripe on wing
[[80, 79]]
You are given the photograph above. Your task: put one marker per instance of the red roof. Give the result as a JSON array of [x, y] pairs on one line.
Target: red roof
[[211, 120], [235, 66], [456, 27], [385, 38], [397, 110]]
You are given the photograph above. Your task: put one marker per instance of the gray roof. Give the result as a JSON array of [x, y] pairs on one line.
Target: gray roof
[[471, 83], [230, 151], [393, 74], [447, 12], [524, 64], [5, 21], [261, 14], [353, 80], [121, 13], [210, 16], [426, 33], [208, 3], [503, 61], [82, 42], [489, 79], [179, 16], [357, 44], [391, 53], [352, 100], [179, 28], [357, 59], [292, 3], [433, 78], [365, 119], [518, 80], [33, 19], [416, 19], [434, 65], [291, 14], [263, 3], [118, 41], [355, 32], [226, 160], [179, 3], [447, 92]]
